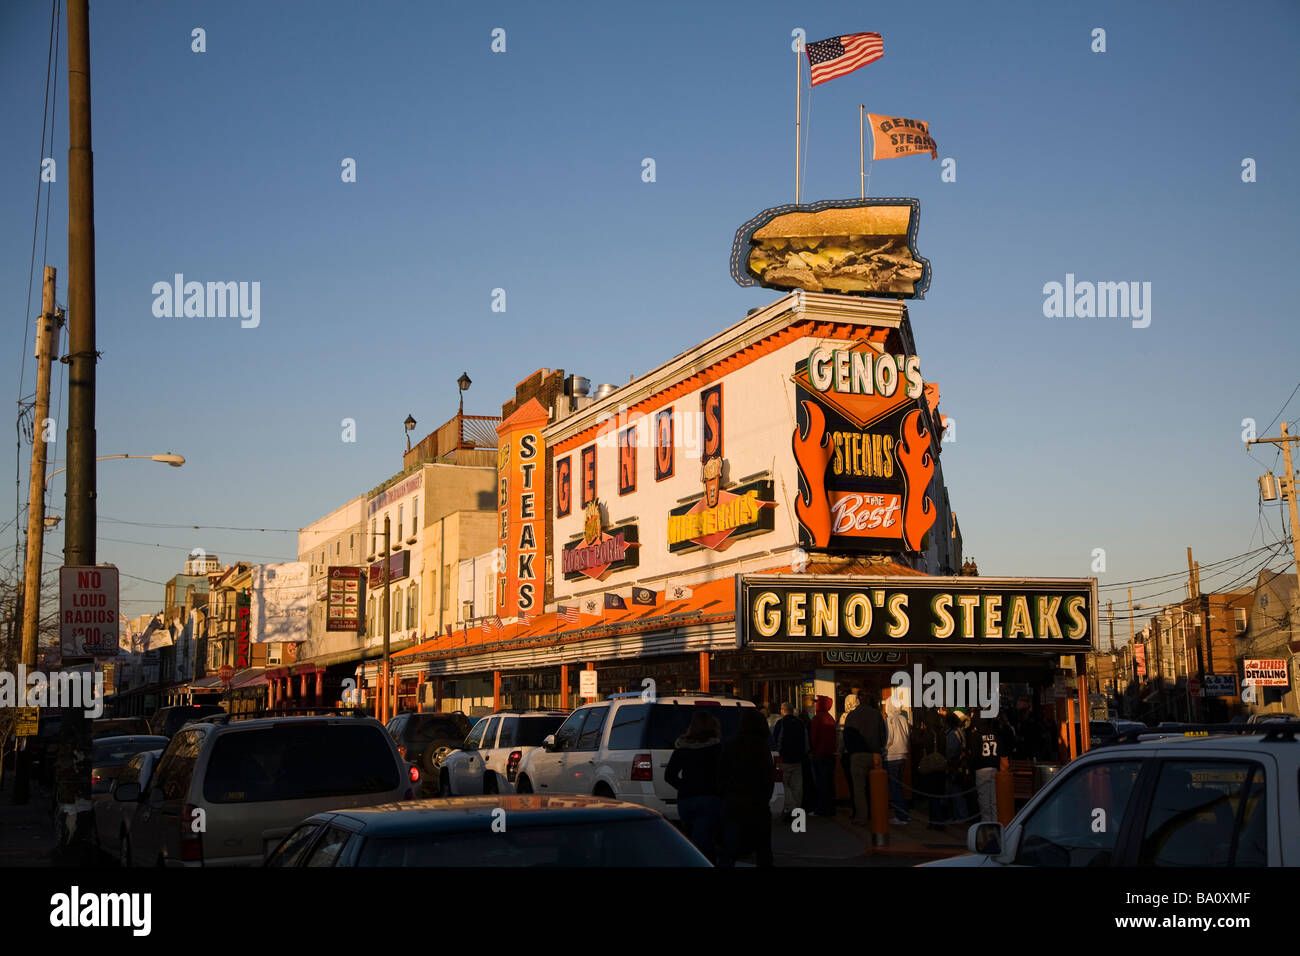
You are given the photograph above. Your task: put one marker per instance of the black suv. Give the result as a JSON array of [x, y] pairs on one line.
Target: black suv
[[168, 720], [423, 739]]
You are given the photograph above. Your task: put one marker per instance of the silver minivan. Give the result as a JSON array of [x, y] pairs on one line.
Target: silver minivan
[[225, 795]]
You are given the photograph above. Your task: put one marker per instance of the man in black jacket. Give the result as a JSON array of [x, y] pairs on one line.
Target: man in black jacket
[[864, 741], [694, 772], [792, 746], [747, 772]]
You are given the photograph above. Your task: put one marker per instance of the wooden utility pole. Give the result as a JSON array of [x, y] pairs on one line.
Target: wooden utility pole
[[47, 327], [1288, 488], [388, 624], [72, 769]]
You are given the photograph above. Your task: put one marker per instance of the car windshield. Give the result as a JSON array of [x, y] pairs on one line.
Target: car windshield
[[531, 731], [669, 721], [438, 728], [631, 843], [300, 762]]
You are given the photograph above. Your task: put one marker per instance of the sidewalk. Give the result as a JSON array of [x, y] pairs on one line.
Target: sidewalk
[[26, 830]]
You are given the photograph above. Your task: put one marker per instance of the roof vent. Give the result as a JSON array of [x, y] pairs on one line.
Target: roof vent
[[603, 390]]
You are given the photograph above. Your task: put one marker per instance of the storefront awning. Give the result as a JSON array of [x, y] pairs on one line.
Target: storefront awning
[[251, 677]]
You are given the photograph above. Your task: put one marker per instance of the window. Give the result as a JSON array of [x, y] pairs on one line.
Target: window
[[566, 738], [1239, 617], [490, 734], [595, 723], [300, 761], [329, 848], [374, 525], [177, 767], [1062, 830], [397, 609], [627, 461], [288, 852], [663, 444], [400, 509], [352, 541], [446, 586], [563, 487], [415, 515], [413, 606], [476, 735], [531, 731], [1207, 813], [629, 722]]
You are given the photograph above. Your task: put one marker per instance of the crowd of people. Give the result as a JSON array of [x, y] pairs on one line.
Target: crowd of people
[[724, 787]]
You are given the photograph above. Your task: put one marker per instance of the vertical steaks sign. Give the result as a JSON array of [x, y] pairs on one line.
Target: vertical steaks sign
[[521, 477], [862, 448], [802, 612]]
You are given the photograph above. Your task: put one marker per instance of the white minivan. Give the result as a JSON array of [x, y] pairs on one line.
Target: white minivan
[[620, 748]]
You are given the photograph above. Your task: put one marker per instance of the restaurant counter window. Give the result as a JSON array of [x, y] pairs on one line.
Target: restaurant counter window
[[1207, 813], [1066, 829]]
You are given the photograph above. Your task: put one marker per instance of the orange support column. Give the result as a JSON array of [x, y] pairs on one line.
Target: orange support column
[[320, 687], [1069, 727], [1006, 792], [496, 690], [564, 687], [704, 672], [1081, 675]]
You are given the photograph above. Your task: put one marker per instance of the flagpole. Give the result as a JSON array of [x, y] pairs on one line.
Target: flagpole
[[798, 78], [862, 152]]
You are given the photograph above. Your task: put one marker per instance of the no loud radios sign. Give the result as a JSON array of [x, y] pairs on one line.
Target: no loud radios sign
[[88, 611]]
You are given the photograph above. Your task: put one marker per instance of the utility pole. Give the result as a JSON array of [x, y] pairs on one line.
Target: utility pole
[[72, 771], [46, 339], [46, 331], [388, 622], [1288, 488]]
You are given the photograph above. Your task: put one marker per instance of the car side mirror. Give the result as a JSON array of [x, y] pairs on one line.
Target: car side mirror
[[126, 793], [549, 743], [985, 838]]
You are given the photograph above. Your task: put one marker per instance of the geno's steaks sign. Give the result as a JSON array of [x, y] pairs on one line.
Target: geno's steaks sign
[[810, 612]]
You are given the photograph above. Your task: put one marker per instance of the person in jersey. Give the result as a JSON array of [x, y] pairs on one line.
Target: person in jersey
[[989, 744]]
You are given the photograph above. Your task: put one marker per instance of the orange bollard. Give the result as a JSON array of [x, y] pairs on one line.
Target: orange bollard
[[1006, 793], [878, 784]]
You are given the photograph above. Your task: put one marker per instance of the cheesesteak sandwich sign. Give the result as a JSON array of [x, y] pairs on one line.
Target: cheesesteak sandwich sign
[[811, 612]]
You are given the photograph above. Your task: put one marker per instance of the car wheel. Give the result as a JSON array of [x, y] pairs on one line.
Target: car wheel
[[444, 784], [124, 851], [523, 785], [602, 790], [490, 783]]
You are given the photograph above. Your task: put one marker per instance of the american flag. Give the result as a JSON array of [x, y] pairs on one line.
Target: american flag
[[570, 614], [837, 56], [491, 623], [524, 616]]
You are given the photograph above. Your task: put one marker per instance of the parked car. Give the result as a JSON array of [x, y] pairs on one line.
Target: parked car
[[425, 739], [1103, 733], [1222, 799], [224, 795], [490, 756], [113, 816], [108, 755], [464, 831], [167, 720], [1270, 717], [620, 747], [119, 727]]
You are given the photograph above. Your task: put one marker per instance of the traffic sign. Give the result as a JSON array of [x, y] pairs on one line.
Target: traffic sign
[[88, 611], [226, 673], [586, 683], [27, 721]]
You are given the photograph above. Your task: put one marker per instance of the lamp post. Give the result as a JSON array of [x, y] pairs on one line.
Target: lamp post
[[464, 383], [168, 459], [410, 427]]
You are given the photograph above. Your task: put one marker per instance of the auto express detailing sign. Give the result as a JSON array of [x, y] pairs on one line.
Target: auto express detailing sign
[[88, 611], [345, 609], [863, 449], [801, 612], [721, 516], [1266, 673], [598, 552]]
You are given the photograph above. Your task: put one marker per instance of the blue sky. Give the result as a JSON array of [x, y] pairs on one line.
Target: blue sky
[[522, 170]]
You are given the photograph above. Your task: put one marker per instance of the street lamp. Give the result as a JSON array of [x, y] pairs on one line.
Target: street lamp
[[168, 459], [464, 383], [410, 427]]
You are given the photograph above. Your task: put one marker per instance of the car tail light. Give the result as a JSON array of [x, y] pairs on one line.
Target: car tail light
[[95, 778], [401, 751], [778, 775], [512, 764], [415, 774], [642, 767], [191, 842], [708, 703]]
